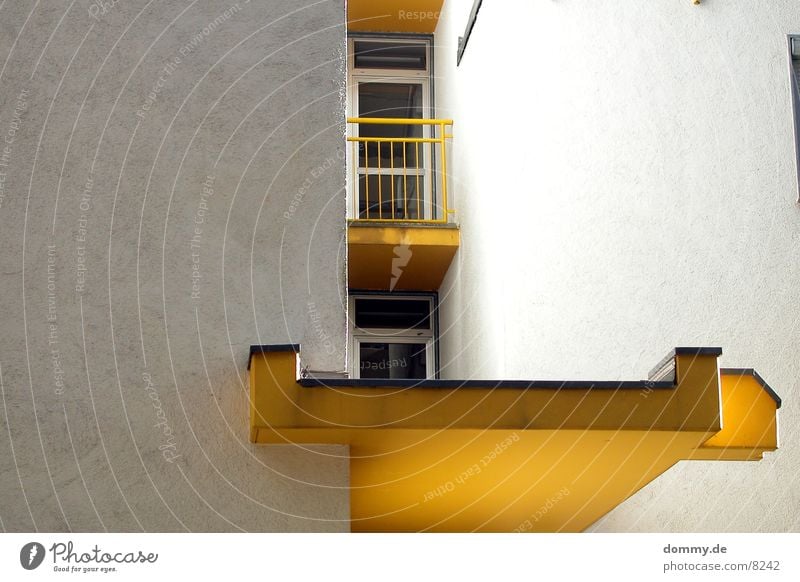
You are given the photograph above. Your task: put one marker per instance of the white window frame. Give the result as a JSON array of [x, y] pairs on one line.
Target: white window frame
[[369, 75], [389, 335], [794, 49]]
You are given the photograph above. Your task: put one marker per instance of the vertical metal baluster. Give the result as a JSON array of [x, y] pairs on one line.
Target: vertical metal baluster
[[416, 151], [380, 182], [366, 175], [391, 177], [405, 181], [430, 172], [444, 173], [356, 193]]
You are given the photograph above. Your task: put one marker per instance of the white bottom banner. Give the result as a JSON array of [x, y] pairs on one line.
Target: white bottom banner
[[356, 557]]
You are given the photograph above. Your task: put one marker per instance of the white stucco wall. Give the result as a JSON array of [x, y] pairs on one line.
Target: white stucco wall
[[161, 145], [624, 177]]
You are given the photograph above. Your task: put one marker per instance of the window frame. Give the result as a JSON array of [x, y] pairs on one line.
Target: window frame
[[793, 43], [359, 335], [426, 40], [369, 75]]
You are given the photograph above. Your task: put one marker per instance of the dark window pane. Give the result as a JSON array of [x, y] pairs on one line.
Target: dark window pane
[[393, 101], [389, 55], [393, 313], [387, 360], [796, 75], [390, 196]]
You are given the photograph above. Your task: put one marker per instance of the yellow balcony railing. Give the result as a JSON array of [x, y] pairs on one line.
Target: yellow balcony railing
[[399, 169]]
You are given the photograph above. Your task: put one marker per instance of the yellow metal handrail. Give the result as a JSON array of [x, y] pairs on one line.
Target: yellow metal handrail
[[420, 207]]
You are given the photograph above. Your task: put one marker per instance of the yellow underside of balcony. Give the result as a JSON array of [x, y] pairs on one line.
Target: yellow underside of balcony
[[419, 16], [393, 257], [482, 458]]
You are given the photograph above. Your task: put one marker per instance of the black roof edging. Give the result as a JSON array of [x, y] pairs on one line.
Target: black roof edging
[[751, 372]]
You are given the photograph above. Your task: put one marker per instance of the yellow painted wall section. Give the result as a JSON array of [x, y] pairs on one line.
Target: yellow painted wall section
[[750, 421], [509, 459], [373, 252], [281, 403], [502, 481], [416, 16]]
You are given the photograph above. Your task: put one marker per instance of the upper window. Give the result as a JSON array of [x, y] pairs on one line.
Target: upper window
[[463, 40], [794, 73], [369, 54], [390, 313]]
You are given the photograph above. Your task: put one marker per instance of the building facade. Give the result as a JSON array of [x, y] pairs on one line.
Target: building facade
[[398, 266]]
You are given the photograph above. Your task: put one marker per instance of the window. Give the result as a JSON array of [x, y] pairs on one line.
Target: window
[[368, 54], [391, 168], [794, 73], [393, 336], [463, 40]]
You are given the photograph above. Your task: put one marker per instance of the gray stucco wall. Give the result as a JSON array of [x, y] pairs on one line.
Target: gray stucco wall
[[171, 191]]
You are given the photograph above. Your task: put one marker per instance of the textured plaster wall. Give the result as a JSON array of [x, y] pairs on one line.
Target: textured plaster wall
[[625, 180], [169, 195]]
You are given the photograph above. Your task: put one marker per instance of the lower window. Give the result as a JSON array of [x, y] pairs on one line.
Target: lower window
[[393, 336]]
